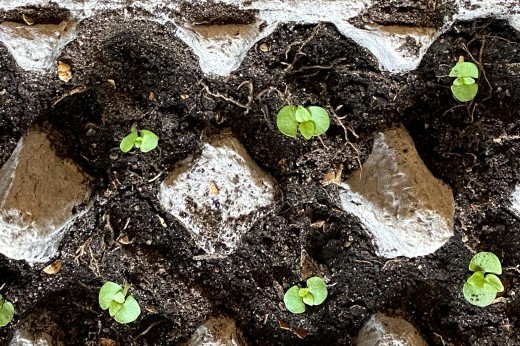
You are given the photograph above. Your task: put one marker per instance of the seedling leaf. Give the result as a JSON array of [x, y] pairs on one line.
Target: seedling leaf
[[128, 142], [114, 308], [464, 69], [477, 279], [138, 142], [468, 80], [492, 282], [302, 114], [292, 300], [458, 81], [302, 292], [487, 262], [119, 297], [308, 299], [107, 293], [129, 311], [318, 288], [321, 119], [478, 296], [307, 129], [464, 92], [6, 312], [286, 121], [149, 142]]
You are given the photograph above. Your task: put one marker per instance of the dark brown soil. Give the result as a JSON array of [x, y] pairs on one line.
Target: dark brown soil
[[474, 151]]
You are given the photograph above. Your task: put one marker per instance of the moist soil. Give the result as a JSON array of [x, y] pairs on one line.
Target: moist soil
[[141, 73]]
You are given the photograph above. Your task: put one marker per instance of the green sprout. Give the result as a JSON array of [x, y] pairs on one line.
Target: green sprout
[[314, 294], [143, 140], [122, 308], [6, 312], [464, 87], [481, 288], [310, 121]]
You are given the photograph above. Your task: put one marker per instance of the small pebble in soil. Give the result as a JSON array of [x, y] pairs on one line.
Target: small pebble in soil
[[264, 47]]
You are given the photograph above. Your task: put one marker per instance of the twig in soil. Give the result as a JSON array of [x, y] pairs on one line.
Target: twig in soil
[[516, 268], [108, 226], [147, 330], [229, 99], [396, 260], [299, 51], [208, 257], [440, 337], [155, 178], [77, 90]]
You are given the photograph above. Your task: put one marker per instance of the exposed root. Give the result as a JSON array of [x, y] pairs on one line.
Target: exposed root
[[480, 64], [299, 52], [82, 251], [346, 130], [246, 106], [77, 90]]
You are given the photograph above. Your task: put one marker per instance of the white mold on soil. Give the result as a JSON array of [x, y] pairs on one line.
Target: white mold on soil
[[218, 195]]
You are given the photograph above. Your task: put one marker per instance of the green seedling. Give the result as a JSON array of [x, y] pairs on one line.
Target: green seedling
[[464, 87], [122, 308], [143, 140], [314, 294], [310, 121], [6, 312], [481, 289]]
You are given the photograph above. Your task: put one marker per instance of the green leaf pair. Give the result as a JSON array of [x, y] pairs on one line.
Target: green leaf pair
[[6, 312], [314, 294], [464, 87], [310, 121], [481, 288], [113, 297], [143, 140]]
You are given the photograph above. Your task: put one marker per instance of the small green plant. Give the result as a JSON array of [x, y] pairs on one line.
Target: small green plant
[[310, 121], [464, 87], [481, 288], [6, 312], [143, 140], [122, 308], [314, 294]]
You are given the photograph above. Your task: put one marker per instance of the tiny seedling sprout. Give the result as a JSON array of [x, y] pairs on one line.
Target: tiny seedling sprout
[[297, 297], [481, 289], [6, 312], [143, 140], [310, 121], [464, 87], [122, 308]]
